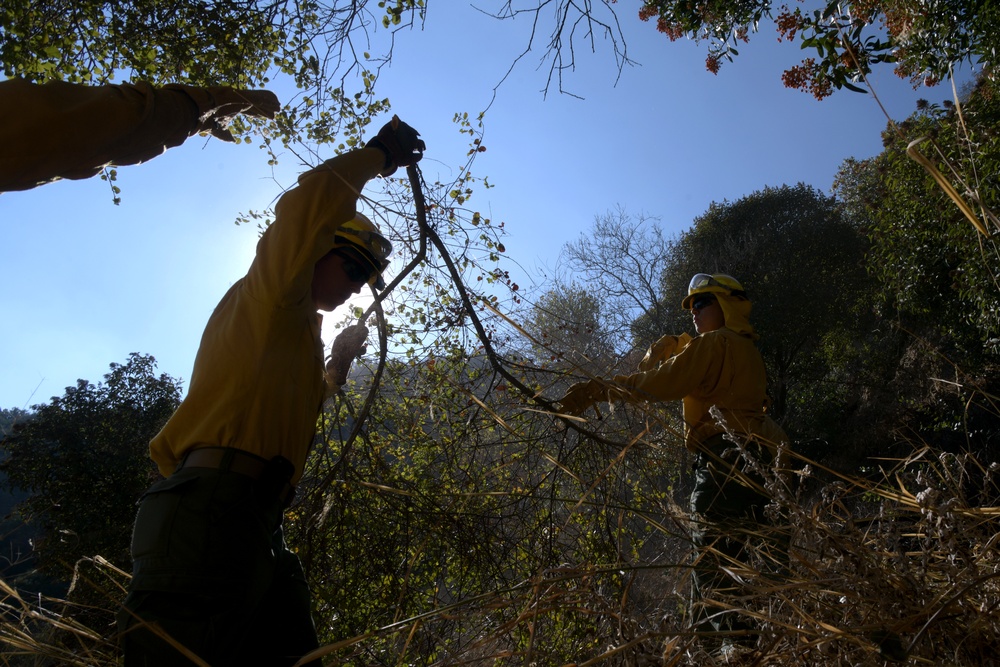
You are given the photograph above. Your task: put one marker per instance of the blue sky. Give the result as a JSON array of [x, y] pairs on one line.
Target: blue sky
[[87, 282]]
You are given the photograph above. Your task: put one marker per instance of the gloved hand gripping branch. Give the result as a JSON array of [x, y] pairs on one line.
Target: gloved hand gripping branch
[[586, 393], [401, 144]]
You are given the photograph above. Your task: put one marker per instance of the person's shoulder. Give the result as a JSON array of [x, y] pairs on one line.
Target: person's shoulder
[[716, 335], [707, 341], [718, 338], [732, 334]]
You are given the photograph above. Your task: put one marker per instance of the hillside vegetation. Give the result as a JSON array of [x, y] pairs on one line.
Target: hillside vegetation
[[448, 517]]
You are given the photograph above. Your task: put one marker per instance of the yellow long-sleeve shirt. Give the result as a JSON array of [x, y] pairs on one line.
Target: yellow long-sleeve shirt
[[257, 383], [721, 368], [64, 130]]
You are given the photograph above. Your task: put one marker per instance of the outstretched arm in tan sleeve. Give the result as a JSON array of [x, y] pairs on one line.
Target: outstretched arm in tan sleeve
[[63, 130]]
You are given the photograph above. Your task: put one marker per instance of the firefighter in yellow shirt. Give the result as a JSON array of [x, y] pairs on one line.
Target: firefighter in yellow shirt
[[211, 568], [719, 376]]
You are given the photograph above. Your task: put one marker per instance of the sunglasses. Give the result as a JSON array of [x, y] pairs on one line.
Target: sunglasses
[[356, 272], [700, 302]]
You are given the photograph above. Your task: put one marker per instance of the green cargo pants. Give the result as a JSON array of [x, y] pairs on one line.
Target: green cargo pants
[[211, 569], [727, 507]]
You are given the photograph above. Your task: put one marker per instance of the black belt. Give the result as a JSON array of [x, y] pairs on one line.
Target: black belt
[[276, 472]]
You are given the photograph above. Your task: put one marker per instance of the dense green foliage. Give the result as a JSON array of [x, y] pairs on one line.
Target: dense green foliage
[[925, 40], [202, 43], [448, 517], [83, 461], [188, 42], [455, 504], [15, 536], [933, 267], [8, 418], [936, 275], [322, 46]]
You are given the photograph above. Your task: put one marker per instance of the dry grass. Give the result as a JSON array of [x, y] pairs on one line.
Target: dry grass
[[904, 569], [40, 630]]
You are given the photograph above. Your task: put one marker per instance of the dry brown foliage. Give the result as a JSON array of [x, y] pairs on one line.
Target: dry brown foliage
[[900, 570]]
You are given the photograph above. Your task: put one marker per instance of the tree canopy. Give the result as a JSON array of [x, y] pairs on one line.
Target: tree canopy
[[935, 268], [568, 330], [322, 46], [935, 271], [925, 40], [620, 257], [83, 460]]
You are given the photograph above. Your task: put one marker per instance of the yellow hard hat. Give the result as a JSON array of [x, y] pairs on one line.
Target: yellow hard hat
[[361, 235], [719, 283]]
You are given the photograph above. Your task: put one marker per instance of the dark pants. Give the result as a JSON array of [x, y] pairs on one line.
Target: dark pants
[[727, 505], [212, 571]]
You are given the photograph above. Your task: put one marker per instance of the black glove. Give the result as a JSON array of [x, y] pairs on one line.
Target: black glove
[[401, 144]]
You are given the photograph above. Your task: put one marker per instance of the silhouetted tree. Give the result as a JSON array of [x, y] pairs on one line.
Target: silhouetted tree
[[83, 460]]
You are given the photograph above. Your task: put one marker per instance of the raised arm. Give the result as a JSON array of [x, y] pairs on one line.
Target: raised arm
[[63, 130]]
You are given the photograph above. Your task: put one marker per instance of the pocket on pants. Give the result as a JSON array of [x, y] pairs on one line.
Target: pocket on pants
[[164, 525]]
